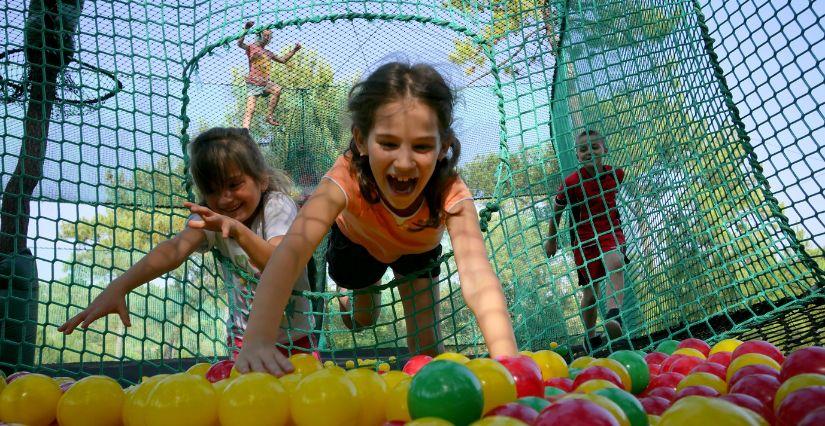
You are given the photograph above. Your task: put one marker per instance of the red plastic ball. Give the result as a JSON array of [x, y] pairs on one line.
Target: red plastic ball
[[654, 405], [722, 358], [717, 370], [663, 392], [749, 370], [598, 372], [655, 358], [515, 410], [697, 344], [415, 363], [220, 370], [563, 383], [697, 391], [654, 370], [759, 347], [815, 418], [526, 373], [760, 386], [807, 360], [574, 412], [670, 380], [668, 362], [797, 405], [751, 403], [684, 365]]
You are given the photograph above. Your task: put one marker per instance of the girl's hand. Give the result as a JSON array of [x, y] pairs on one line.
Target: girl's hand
[[249, 25], [262, 357], [212, 221], [297, 47], [110, 301]]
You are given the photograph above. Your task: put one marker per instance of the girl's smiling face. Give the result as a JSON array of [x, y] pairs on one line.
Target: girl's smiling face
[[403, 148], [238, 197]]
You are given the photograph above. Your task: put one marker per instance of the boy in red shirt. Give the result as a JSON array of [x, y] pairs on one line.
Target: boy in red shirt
[[258, 82], [596, 235]]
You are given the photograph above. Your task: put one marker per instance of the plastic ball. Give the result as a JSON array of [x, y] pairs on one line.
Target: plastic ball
[[497, 384], [429, 421], [526, 374], [397, 407], [636, 367], [597, 372], [562, 383], [372, 393], [696, 344], [593, 385], [751, 369], [551, 364], [447, 390], [498, 421], [670, 380], [325, 398], [697, 390], [655, 358], [220, 370], [799, 404], [605, 403], [574, 412], [581, 362], [814, 418], [795, 383], [690, 352], [94, 399], [750, 359], [760, 386], [664, 392], [199, 369], [685, 364], [696, 410], [628, 403], [751, 403], [617, 368], [727, 345], [533, 402], [515, 410], [415, 363], [551, 393], [254, 399], [758, 347], [393, 377], [722, 358], [305, 364], [30, 399], [717, 370], [452, 356], [703, 379], [654, 405], [667, 346], [806, 360], [182, 399], [134, 404]]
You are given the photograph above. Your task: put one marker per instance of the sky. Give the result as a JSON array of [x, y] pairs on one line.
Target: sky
[[141, 125]]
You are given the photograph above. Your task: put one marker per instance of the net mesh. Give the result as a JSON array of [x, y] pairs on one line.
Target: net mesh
[[712, 109]]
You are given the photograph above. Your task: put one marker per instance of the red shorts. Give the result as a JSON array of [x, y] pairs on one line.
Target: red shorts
[[589, 265], [303, 345]]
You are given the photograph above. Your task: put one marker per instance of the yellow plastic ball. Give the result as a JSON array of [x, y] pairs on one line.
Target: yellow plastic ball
[[221, 385], [498, 387], [199, 369], [290, 382], [134, 406], [254, 399], [305, 363], [325, 398], [794, 384], [591, 386], [699, 410], [372, 394], [653, 420], [750, 359], [349, 364], [30, 400], [94, 400], [336, 369], [582, 362], [703, 379], [452, 356], [182, 399], [617, 368], [551, 364], [384, 367], [397, 408], [727, 345], [391, 378]]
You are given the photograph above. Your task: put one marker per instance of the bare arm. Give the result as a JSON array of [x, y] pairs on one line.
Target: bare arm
[[278, 278], [288, 56], [479, 284], [246, 28], [165, 257], [551, 245], [258, 249]]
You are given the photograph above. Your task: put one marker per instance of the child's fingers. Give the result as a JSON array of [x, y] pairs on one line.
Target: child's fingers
[[197, 224], [242, 365], [275, 365], [124, 315], [69, 326]]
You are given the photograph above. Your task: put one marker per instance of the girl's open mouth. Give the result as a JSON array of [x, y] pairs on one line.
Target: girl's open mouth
[[401, 186]]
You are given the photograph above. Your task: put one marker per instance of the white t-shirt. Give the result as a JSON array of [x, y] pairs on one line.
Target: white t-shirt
[[278, 213]]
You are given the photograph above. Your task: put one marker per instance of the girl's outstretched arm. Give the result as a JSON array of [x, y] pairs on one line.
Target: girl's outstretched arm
[[165, 257], [479, 284], [278, 278]]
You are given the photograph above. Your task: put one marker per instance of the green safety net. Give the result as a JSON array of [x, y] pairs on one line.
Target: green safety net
[[713, 109]]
